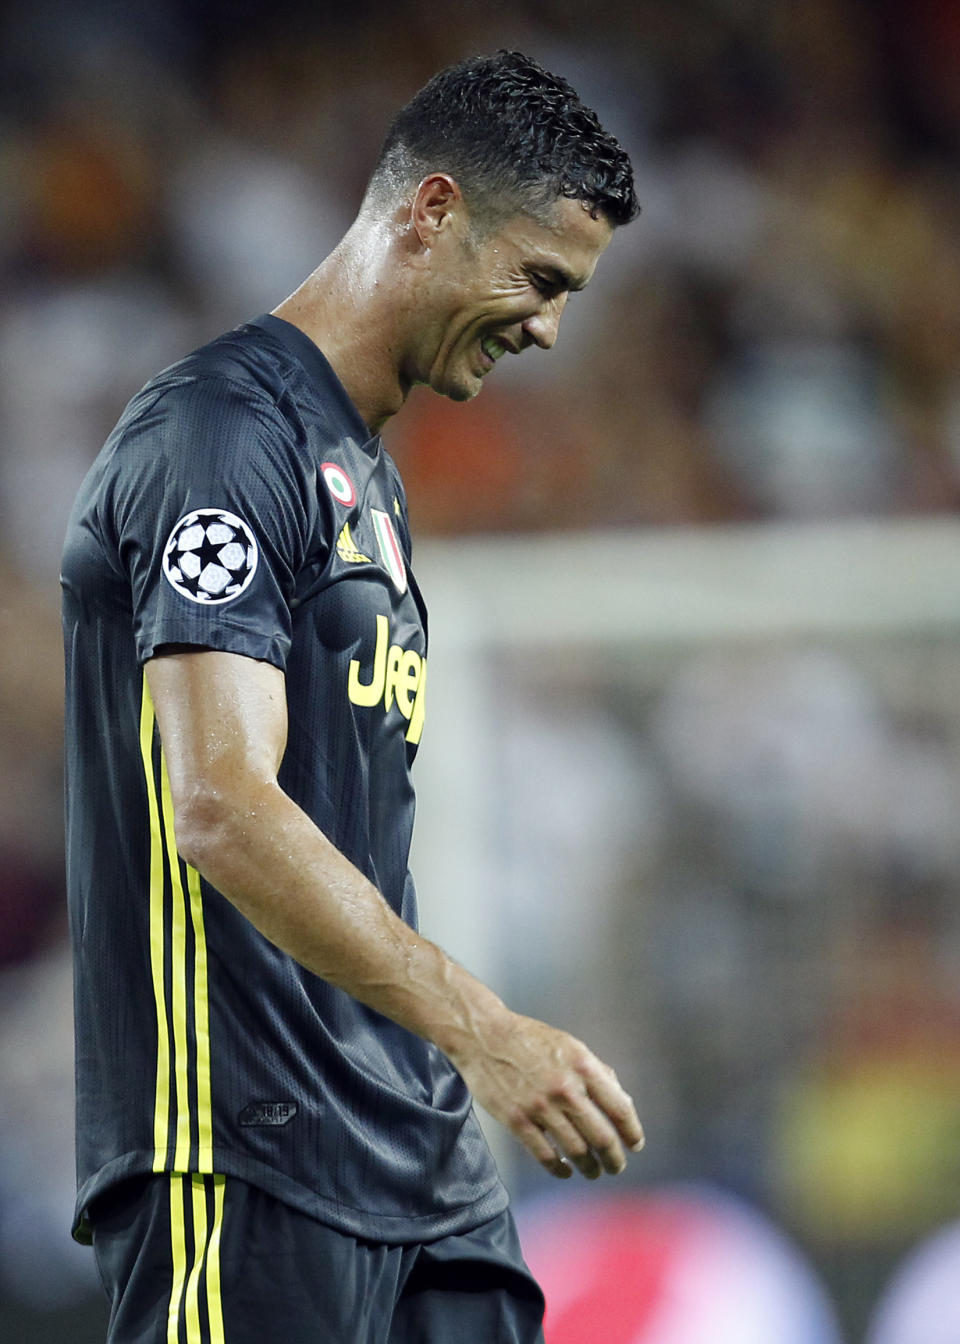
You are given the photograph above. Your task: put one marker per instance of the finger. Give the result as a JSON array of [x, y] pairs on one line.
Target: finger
[[572, 1144], [595, 1132], [589, 1121], [542, 1149], [607, 1094]]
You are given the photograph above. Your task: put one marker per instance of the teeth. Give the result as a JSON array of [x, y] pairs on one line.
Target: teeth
[[492, 347]]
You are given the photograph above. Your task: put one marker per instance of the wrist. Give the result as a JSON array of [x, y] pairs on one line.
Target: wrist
[[479, 1018]]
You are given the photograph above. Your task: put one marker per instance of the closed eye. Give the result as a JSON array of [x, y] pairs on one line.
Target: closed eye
[[551, 283]]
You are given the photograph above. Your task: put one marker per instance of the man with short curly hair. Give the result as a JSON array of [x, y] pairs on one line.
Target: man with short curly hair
[[514, 137], [276, 1138]]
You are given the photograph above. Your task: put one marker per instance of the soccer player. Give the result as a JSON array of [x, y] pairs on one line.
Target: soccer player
[[276, 1138]]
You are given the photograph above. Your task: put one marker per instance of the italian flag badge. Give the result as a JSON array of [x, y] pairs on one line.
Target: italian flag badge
[[390, 549]]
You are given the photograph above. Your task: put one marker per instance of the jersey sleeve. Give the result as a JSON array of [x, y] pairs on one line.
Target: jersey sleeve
[[211, 515]]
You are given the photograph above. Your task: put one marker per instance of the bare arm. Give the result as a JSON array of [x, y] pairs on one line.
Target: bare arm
[[223, 723]]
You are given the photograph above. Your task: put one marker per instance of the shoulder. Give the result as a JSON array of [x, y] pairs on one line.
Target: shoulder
[[217, 408], [246, 357], [238, 370]]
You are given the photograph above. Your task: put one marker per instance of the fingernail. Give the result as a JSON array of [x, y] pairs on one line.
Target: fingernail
[[638, 1146]]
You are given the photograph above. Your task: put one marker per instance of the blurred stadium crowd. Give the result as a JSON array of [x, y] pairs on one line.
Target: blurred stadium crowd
[[777, 338]]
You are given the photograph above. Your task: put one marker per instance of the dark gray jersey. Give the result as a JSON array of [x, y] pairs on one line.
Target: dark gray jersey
[[240, 505]]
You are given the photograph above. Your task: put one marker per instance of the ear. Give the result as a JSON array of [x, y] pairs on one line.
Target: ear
[[437, 205]]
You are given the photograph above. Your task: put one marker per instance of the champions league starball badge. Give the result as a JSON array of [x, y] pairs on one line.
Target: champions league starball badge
[[210, 556]]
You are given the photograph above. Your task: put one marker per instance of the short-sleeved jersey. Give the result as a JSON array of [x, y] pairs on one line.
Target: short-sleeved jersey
[[241, 505]]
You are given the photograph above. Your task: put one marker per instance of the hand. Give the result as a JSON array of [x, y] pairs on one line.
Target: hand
[[554, 1095]]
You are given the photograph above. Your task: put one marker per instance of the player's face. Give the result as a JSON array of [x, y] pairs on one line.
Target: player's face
[[506, 293]]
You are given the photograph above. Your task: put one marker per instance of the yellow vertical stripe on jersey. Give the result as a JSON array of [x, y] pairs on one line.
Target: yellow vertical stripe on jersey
[[201, 1026], [178, 1248], [162, 1102], [214, 1303], [178, 992], [191, 1302], [190, 1012]]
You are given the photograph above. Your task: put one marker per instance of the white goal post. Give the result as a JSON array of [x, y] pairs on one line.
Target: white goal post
[[625, 590]]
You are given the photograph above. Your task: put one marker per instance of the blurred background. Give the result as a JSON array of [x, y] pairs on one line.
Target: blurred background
[[695, 574]]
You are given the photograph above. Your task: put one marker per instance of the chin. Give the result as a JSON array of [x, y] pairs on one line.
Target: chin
[[458, 389], [462, 393]]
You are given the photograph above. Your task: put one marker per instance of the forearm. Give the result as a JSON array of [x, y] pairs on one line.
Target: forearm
[[222, 720], [270, 860]]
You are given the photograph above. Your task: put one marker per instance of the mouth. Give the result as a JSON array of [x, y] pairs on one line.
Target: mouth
[[492, 349]]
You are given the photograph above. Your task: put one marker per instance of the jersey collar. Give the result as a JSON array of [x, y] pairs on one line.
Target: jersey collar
[[317, 366]]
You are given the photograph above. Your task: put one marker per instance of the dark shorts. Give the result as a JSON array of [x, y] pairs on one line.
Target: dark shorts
[[213, 1260]]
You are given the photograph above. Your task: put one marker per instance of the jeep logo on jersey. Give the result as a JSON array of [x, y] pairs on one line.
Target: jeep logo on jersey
[[390, 549], [210, 556], [398, 677]]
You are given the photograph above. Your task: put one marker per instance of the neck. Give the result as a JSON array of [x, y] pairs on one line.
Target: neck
[[347, 307]]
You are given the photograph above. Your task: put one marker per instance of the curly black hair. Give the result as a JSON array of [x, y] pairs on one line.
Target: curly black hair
[[514, 136]]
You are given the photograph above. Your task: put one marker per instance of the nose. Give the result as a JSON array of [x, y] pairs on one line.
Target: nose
[[542, 326]]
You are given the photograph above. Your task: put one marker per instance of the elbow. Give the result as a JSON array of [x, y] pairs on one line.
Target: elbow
[[205, 825]]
